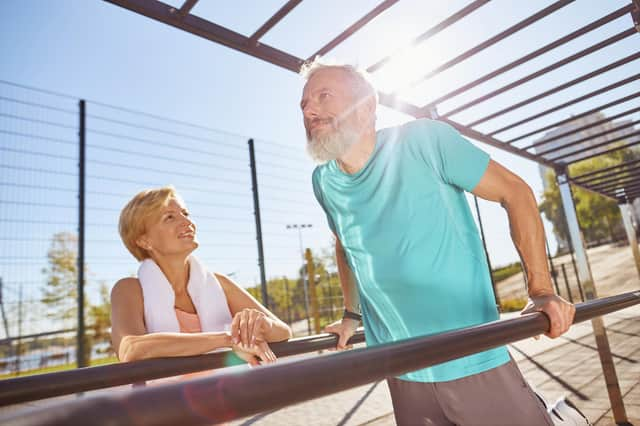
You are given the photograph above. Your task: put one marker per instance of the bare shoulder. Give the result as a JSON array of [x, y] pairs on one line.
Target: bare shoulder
[[224, 281], [127, 288]]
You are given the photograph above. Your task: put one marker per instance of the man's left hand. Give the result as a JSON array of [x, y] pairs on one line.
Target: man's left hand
[[559, 311]]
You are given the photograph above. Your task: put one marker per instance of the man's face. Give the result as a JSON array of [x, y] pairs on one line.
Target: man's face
[[331, 116]]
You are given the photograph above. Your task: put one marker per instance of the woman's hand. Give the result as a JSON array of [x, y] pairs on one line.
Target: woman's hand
[[250, 327], [256, 353]]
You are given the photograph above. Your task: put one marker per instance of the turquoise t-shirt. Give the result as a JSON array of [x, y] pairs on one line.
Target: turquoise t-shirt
[[411, 241]]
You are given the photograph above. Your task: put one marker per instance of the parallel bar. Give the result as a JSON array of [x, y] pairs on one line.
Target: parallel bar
[[601, 45], [579, 129], [607, 169], [235, 394], [598, 145], [32, 388], [588, 138], [81, 358], [563, 86], [559, 42], [433, 31], [273, 21], [617, 148], [493, 40], [563, 121], [164, 13], [353, 28]]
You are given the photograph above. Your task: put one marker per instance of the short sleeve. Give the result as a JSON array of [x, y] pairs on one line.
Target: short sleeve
[[317, 191], [458, 161]]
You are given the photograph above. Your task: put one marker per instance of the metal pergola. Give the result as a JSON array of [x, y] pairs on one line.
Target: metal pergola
[[562, 144]]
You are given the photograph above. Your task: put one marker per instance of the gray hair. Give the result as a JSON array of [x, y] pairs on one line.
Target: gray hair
[[363, 88]]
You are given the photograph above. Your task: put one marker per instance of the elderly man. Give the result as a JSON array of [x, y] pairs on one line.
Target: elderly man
[[408, 251]]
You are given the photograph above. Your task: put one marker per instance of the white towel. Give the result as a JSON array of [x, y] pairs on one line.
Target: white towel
[[159, 298]]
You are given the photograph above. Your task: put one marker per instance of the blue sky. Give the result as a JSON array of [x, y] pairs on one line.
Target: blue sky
[[93, 50]]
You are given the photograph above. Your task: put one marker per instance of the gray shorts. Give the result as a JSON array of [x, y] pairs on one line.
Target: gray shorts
[[500, 396]]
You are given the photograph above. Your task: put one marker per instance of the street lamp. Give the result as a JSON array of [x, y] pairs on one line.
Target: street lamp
[[305, 282]]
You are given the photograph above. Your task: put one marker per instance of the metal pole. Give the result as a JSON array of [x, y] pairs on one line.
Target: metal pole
[[627, 212], [4, 314], [19, 344], [486, 253], [554, 273], [305, 281], [566, 283], [256, 212], [312, 289], [80, 346], [586, 278]]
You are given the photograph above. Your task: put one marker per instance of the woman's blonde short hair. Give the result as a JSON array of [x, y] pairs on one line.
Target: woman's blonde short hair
[[138, 212]]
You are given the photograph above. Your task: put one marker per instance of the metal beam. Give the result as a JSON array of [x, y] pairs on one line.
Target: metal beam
[[186, 7], [606, 169], [166, 14], [586, 279], [563, 121], [273, 21], [353, 28], [617, 148], [612, 176], [559, 42], [601, 45], [589, 138], [433, 31], [563, 86], [598, 145], [629, 182], [493, 40], [579, 129]]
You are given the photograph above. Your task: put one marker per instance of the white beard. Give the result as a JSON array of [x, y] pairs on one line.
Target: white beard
[[333, 144]]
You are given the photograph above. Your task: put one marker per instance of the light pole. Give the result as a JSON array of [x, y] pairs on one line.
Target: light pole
[[305, 282]]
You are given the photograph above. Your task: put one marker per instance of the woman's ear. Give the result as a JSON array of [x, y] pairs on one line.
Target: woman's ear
[[143, 243]]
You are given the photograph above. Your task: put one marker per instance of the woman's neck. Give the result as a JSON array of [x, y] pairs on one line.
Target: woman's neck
[[176, 269]]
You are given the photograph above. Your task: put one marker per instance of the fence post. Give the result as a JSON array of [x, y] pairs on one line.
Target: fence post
[[256, 212], [80, 345]]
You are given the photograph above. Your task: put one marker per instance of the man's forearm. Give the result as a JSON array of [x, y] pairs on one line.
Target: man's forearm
[[528, 237], [347, 282]]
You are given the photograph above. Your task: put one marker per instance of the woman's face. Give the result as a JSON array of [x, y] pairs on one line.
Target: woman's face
[[171, 233]]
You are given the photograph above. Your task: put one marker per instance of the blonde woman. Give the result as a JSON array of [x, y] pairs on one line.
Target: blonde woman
[[176, 307]]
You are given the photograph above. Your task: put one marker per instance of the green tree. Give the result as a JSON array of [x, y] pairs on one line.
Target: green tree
[[599, 216], [61, 292]]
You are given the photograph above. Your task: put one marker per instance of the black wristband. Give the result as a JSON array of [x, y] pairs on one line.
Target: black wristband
[[351, 315]]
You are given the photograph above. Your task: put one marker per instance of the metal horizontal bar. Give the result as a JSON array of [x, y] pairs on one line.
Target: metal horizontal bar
[[31, 388], [601, 45], [617, 148], [556, 43], [186, 7], [164, 13], [579, 129], [598, 145], [611, 176], [481, 137], [589, 137], [626, 193], [563, 121], [563, 86], [433, 31], [616, 183], [9, 340], [353, 28], [273, 21], [236, 394], [493, 40], [606, 169]]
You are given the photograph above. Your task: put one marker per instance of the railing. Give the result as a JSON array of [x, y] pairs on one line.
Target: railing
[[236, 394]]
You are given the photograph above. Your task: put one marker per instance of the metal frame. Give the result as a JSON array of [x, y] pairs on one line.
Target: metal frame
[[183, 19]]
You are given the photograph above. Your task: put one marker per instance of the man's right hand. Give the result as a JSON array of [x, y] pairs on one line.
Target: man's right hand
[[344, 328]]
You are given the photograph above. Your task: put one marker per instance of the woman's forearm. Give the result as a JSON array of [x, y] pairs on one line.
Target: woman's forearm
[[158, 345], [279, 331]]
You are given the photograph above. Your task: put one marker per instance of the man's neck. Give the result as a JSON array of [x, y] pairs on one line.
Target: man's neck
[[358, 155]]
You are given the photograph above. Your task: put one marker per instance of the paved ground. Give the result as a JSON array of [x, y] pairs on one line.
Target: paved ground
[[567, 366]]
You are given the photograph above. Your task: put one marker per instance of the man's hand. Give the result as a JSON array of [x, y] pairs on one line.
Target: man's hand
[[344, 328], [559, 311], [250, 326]]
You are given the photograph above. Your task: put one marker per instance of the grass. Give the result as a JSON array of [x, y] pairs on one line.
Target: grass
[[64, 367]]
